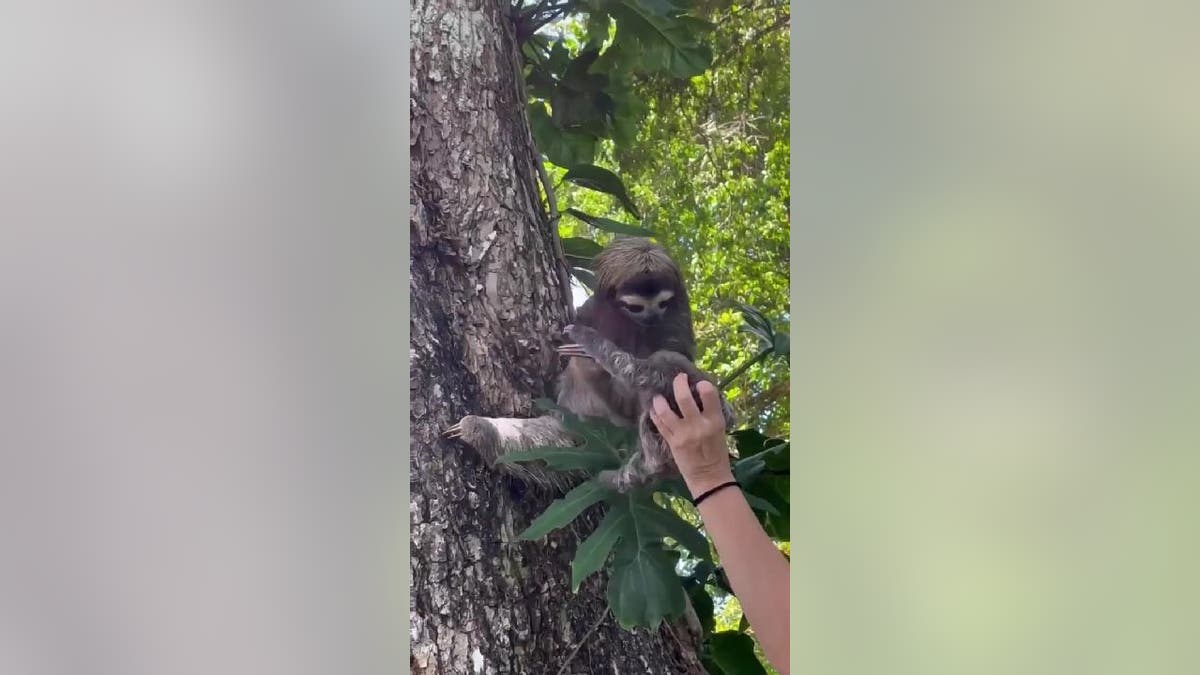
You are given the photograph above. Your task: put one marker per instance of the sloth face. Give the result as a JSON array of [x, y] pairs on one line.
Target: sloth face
[[646, 306]]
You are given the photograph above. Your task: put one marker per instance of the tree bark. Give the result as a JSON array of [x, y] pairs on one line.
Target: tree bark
[[486, 308]]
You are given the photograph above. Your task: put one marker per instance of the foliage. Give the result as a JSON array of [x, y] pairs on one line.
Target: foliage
[[673, 113], [644, 586]]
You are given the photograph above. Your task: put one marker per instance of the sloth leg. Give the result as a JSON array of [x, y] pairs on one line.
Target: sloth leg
[[651, 460], [656, 455], [493, 437]]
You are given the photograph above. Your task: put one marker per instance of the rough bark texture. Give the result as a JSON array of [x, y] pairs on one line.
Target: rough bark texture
[[486, 306]]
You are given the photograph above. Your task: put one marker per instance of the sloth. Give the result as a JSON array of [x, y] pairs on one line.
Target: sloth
[[640, 308], [648, 377]]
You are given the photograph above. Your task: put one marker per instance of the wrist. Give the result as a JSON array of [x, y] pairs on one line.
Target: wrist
[[700, 483]]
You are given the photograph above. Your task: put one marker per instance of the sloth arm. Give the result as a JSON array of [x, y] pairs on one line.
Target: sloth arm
[[620, 364]]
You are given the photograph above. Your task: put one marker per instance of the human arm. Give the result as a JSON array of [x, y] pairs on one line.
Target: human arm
[[757, 570]]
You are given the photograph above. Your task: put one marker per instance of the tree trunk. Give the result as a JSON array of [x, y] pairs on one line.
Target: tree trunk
[[486, 306]]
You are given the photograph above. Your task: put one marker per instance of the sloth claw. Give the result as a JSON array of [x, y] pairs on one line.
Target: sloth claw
[[453, 432], [572, 350]]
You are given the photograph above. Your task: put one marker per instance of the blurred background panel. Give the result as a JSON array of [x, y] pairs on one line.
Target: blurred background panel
[[201, 337], [995, 220]]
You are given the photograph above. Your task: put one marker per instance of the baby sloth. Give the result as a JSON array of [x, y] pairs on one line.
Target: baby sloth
[[648, 377]]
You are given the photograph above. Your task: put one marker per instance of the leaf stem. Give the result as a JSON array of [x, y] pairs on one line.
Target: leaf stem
[[742, 368]]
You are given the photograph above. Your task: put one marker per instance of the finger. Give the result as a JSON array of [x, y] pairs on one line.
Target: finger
[[667, 419], [711, 399], [684, 399], [663, 430]]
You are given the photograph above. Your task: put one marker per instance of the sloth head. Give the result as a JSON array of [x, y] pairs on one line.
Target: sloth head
[[641, 280]]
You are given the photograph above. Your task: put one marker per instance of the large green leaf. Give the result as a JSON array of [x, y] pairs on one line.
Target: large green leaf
[[783, 345], [759, 504], [749, 442], [563, 511], [594, 550], [764, 472], [562, 147], [580, 247], [746, 469], [774, 490], [733, 653], [665, 43], [593, 432], [600, 179], [644, 589], [609, 225], [662, 522]]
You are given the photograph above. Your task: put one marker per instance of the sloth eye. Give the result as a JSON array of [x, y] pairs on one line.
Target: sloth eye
[[663, 304], [634, 309]]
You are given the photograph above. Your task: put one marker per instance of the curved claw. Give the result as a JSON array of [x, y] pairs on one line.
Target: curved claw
[[572, 350], [453, 432]]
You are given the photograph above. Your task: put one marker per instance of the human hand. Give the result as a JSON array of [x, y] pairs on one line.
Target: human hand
[[696, 439]]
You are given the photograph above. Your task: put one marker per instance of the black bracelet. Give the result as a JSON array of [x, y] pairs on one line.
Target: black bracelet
[[709, 493]]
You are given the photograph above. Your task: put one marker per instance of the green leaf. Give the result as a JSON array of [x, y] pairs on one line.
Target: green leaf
[[778, 525], [778, 455], [674, 486], [701, 573], [749, 442], [538, 83], [536, 48], [696, 25], [594, 550], [585, 277], [755, 318], [593, 432], [643, 589], [703, 605], [661, 522], [563, 148], [576, 74], [665, 43], [609, 225], [783, 345], [733, 652], [759, 504], [563, 511], [745, 470], [580, 247], [596, 178], [559, 59]]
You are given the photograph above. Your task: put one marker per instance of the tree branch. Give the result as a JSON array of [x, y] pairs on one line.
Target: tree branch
[[562, 265]]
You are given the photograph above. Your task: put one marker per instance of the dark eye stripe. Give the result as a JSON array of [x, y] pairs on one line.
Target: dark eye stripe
[[634, 308]]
